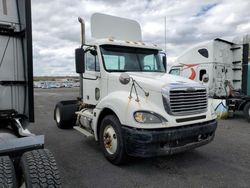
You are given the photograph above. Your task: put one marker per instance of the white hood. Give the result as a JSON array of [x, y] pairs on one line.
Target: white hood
[[155, 81]]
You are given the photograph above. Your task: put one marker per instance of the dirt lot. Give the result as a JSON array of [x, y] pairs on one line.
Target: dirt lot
[[223, 163]]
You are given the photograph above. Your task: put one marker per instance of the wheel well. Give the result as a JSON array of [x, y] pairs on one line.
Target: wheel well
[[105, 112], [243, 104]]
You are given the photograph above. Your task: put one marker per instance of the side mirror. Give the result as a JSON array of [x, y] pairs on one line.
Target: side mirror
[[164, 62], [205, 78], [124, 78], [79, 60]]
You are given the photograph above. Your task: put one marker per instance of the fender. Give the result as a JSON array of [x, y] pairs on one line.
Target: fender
[[124, 108], [114, 101]]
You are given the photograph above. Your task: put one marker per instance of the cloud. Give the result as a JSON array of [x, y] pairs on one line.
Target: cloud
[[56, 31], [204, 9]]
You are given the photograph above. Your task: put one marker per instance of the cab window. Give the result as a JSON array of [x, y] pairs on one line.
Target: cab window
[[203, 52], [149, 63], [114, 62], [92, 63], [175, 72], [202, 72]]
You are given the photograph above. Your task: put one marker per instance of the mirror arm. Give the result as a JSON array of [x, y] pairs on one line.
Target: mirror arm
[[89, 48]]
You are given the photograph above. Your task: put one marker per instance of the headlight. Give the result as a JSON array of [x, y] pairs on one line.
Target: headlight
[[148, 117]]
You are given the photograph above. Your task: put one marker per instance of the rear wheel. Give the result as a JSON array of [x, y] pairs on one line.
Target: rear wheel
[[64, 114], [7, 173], [111, 140], [247, 111], [60, 122], [39, 169]]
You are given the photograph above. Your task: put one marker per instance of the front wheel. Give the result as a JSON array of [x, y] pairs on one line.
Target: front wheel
[[111, 140], [247, 111]]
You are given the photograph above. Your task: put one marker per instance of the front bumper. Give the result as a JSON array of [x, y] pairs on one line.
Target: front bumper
[[167, 141]]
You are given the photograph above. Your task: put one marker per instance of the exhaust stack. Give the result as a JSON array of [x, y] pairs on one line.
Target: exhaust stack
[[82, 31], [81, 21]]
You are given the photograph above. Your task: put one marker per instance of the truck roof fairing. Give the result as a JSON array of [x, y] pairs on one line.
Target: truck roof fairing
[[106, 26]]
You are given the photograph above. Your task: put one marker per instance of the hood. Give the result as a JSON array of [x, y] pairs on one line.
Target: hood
[[155, 81]]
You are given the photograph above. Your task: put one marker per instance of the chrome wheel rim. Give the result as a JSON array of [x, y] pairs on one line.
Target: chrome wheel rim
[[110, 139], [58, 117]]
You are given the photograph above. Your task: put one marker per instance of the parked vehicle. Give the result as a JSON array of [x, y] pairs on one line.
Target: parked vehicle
[[128, 102], [23, 159], [224, 66]]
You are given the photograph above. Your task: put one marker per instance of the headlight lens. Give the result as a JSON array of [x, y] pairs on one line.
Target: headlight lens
[[147, 117]]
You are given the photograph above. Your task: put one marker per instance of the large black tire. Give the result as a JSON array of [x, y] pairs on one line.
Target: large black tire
[[64, 114], [111, 126], [39, 169], [7, 173], [247, 111]]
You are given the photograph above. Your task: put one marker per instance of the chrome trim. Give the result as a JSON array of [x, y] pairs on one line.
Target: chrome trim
[[185, 101]]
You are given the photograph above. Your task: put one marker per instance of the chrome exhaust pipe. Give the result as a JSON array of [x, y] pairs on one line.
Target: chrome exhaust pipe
[[82, 31]]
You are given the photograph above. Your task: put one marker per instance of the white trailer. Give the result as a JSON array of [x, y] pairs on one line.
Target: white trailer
[[128, 102], [225, 67], [23, 159]]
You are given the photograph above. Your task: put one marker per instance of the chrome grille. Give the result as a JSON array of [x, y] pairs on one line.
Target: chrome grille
[[184, 101]]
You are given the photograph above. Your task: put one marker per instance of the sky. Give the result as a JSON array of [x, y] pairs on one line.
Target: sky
[[56, 31]]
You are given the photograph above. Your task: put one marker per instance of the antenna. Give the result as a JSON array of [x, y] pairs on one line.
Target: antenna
[[165, 24]]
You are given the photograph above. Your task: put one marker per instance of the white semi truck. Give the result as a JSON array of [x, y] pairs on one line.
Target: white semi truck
[[23, 160], [225, 65], [128, 102]]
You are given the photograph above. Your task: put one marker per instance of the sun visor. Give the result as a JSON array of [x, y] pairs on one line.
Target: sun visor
[[106, 26]]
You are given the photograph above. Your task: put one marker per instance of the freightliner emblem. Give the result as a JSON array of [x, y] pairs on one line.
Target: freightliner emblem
[[191, 89]]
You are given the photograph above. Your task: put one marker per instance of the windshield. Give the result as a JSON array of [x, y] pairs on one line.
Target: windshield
[[175, 71], [122, 59]]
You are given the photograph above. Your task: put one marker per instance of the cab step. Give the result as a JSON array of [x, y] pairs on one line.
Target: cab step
[[85, 132]]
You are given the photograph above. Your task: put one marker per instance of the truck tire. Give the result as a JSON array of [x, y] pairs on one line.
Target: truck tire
[[7, 173], [111, 140], [64, 114], [39, 169], [247, 111]]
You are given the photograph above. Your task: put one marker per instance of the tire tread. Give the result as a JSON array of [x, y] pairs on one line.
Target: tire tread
[[40, 169], [121, 157], [7, 173]]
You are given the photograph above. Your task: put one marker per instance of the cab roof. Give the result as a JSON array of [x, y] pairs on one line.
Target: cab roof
[[127, 44]]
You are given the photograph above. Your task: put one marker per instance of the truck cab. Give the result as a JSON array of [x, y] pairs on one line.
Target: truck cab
[[127, 100], [226, 66]]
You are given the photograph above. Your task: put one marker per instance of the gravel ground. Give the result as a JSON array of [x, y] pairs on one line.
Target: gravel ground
[[225, 162]]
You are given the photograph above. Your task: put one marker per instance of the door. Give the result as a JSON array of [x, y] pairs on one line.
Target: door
[[91, 80]]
